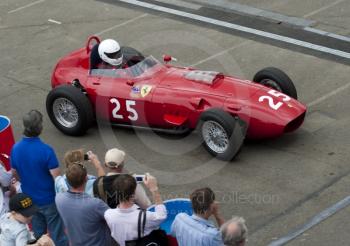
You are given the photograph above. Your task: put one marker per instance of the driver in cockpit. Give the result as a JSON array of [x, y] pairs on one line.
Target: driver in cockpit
[[111, 55]]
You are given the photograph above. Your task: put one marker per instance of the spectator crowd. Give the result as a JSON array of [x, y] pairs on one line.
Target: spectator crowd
[[41, 206]]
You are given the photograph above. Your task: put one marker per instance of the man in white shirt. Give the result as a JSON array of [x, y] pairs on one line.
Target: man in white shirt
[[123, 220]]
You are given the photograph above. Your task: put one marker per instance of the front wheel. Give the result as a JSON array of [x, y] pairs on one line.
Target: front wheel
[[276, 79], [69, 110], [222, 134]]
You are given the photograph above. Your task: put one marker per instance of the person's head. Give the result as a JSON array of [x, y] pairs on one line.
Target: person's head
[[110, 52], [202, 201], [125, 185], [22, 208], [73, 157], [114, 159], [76, 175], [33, 123], [234, 232]]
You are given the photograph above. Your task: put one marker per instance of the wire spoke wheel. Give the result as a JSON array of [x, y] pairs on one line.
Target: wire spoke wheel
[[65, 112], [215, 136], [70, 110]]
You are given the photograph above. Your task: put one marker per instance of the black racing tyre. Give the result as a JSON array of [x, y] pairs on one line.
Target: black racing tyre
[[276, 79], [222, 134], [69, 110]]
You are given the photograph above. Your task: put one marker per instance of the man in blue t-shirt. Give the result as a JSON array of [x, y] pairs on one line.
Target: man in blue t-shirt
[[35, 164]]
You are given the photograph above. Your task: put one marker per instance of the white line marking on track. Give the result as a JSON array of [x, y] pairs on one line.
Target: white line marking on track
[[314, 221], [329, 34], [337, 36], [256, 12], [323, 8], [221, 53], [25, 6], [314, 30], [181, 3], [121, 24], [328, 95], [232, 26], [54, 21]]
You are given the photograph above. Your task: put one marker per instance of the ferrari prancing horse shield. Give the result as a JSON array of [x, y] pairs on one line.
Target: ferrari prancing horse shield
[[145, 90]]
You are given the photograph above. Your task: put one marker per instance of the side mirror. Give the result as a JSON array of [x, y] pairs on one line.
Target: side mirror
[[168, 58]]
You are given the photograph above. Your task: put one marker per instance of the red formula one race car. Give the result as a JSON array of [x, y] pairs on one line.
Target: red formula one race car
[[149, 94]]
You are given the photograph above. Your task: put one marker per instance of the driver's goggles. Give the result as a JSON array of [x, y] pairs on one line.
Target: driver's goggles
[[115, 55]]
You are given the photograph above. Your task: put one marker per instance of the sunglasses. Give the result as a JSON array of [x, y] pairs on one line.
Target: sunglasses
[[79, 164]]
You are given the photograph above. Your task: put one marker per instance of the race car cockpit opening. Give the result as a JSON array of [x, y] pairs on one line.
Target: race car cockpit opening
[[130, 56], [146, 67]]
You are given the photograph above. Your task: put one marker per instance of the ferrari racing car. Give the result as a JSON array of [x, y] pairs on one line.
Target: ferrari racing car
[[159, 96]]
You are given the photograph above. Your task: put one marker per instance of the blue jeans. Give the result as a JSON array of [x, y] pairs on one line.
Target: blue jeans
[[48, 219]]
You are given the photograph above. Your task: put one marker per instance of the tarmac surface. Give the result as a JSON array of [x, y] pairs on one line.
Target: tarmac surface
[[276, 185]]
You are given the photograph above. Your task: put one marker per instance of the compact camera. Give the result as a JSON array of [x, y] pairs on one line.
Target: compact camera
[[139, 178]]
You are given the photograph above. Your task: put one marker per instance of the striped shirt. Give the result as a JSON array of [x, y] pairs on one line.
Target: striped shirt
[[194, 230]]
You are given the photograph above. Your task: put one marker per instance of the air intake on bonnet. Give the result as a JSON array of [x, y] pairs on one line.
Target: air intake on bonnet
[[206, 77]]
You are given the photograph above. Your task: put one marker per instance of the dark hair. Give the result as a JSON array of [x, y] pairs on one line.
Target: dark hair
[[33, 123], [202, 199], [76, 175], [125, 186]]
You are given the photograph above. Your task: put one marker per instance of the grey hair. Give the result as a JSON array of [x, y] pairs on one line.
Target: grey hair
[[33, 123], [234, 237]]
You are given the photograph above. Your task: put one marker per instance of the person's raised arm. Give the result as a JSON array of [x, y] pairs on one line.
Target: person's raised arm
[[151, 183], [216, 212], [97, 164]]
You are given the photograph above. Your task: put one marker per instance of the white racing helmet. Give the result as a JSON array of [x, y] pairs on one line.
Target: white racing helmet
[[109, 51]]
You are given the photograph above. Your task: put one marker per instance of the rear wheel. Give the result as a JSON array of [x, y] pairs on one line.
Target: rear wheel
[[69, 110], [276, 79], [222, 134]]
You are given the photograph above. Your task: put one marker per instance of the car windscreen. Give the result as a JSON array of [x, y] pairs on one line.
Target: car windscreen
[[129, 72]]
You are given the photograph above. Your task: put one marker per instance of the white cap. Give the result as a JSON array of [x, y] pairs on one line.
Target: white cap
[[114, 158]]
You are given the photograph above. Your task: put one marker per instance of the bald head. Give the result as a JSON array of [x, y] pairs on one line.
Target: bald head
[[234, 232], [233, 228]]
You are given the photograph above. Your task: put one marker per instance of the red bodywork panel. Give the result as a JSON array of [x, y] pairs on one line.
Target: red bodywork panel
[[165, 97]]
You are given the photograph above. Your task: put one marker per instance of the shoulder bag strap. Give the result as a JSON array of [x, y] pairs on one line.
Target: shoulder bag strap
[[139, 225], [101, 191], [144, 222]]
